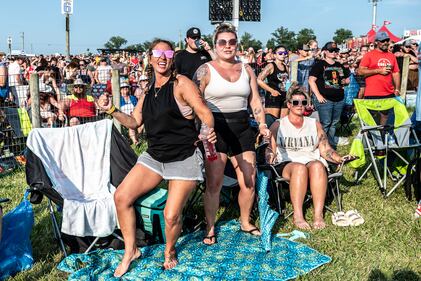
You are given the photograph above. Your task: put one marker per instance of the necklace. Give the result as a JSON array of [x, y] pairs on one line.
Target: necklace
[[156, 92]]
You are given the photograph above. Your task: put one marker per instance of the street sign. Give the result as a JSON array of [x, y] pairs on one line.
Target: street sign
[[67, 7]]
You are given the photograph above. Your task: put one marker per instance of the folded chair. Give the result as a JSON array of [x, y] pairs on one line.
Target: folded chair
[[389, 147], [279, 185], [77, 169]]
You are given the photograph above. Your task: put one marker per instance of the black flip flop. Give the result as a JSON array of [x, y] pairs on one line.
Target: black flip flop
[[250, 231], [210, 237]]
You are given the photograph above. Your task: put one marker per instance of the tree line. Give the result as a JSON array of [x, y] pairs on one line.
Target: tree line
[[281, 36]]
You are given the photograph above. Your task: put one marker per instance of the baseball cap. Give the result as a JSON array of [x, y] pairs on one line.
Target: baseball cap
[[409, 42], [331, 47], [304, 47], [381, 35], [193, 32]]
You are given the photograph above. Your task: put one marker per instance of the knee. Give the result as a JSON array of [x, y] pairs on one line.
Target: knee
[[300, 170], [249, 181], [317, 169], [171, 218], [121, 199], [213, 185]]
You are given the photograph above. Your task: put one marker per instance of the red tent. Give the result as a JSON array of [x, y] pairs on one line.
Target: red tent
[[372, 34]]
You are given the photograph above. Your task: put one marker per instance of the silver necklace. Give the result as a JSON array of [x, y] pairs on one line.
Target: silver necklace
[[156, 92]]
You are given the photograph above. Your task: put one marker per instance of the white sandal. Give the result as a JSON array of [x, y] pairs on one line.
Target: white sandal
[[340, 219], [354, 218]]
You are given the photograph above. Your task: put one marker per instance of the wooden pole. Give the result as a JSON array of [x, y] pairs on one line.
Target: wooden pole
[[67, 37], [404, 78], [294, 71], [115, 87], [35, 107]]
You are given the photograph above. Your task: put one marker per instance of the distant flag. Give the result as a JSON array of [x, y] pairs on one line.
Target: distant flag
[[386, 22], [374, 27]]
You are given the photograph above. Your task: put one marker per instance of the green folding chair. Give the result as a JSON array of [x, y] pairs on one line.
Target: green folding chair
[[389, 147]]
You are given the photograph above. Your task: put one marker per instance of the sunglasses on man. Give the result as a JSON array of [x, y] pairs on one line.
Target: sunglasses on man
[[169, 54], [282, 53], [299, 102], [224, 43]]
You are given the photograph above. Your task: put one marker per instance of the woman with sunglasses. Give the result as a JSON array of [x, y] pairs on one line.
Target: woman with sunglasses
[[167, 111], [327, 79], [300, 146], [277, 75], [229, 88]]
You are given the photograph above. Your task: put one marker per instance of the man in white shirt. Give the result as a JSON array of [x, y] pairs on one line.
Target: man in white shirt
[[15, 76]]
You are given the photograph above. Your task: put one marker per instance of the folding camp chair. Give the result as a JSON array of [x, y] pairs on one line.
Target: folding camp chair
[[348, 112], [390, 147], [43, 178], [280, 184]]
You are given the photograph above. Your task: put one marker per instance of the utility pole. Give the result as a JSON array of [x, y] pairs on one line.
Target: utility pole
[[67, 37], [22, 35], [236, 14], [9, 44], [374, 11], [179, 39]]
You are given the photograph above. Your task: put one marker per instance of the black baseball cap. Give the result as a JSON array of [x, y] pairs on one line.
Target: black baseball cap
[[193, 32], [331, 47]]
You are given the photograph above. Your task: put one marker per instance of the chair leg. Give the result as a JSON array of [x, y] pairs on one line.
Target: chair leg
[[56, 228], [92, 244]]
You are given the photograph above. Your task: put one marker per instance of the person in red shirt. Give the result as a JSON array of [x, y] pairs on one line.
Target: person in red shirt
[[381, 72]]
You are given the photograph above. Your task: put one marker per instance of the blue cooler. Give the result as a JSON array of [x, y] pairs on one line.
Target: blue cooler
[[150, 208]]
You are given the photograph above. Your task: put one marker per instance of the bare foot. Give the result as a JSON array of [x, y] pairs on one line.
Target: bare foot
[[170, 260], [301, 224], [319, 223], [210, 239], [126, 261]]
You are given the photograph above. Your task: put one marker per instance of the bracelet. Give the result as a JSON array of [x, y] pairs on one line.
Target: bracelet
[[263, 124], [111, 110]]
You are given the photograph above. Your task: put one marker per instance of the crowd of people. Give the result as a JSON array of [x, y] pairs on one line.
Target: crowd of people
[[163, 91]]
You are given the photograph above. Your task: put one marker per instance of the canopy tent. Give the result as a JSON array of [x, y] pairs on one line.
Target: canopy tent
[[372, 34], [415, 37]]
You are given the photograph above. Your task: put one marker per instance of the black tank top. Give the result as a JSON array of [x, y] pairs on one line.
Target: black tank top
[[170, 135], [278, 78]]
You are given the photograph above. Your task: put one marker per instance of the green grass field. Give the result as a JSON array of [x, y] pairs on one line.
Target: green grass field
[[386, 247]]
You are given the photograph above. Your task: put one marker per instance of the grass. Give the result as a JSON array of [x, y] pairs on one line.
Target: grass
[[386, 247]]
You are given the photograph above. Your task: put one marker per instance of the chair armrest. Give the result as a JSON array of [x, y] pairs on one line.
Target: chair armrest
[[4, 200]]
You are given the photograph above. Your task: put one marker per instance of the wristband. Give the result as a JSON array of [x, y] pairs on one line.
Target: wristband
[[111, 110]]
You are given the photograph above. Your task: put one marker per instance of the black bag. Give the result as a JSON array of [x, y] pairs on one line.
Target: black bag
[[413, 180]]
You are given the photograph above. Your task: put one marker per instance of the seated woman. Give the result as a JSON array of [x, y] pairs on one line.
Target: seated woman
[[302, 150], [80, 106]]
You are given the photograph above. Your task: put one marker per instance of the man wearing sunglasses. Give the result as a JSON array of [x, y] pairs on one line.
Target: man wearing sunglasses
[[381, 72], [327, 79], [300, 148], [197, 52]]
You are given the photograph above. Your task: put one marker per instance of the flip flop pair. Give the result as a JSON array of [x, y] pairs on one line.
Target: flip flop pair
[[251, 231]]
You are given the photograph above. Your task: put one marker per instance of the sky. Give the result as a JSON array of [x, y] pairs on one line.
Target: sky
[[94, 22]]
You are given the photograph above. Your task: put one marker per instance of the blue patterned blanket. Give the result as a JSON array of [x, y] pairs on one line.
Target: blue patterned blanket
[[236, 256]]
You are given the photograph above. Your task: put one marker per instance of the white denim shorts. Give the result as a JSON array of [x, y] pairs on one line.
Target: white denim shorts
[[191, 168]]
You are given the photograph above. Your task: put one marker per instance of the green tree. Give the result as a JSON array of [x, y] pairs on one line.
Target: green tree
[[270, 44], [282, 36], [137, 47], [115, 42], [305, 35], [341, 35], [247, 41], [208, 38]]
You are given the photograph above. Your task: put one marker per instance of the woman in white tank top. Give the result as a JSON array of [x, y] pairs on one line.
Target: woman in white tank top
[[229, 87], [302, 149]]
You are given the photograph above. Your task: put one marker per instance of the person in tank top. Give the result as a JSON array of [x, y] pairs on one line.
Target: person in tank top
[[300, 146], [277, 74], [229, 87], [167, 110]]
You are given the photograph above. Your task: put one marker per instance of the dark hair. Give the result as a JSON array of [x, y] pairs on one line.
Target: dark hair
[[224, 27], [149, 68], [280, 46]]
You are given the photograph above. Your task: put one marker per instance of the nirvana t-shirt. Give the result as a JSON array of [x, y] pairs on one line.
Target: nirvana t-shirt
[[329, 79], [187, 63], [379, 85]]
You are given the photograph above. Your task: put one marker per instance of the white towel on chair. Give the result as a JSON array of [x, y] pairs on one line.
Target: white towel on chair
[[77, 160]]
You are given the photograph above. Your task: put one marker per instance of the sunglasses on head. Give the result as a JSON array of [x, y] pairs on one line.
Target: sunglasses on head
[[282, 53], [299, 102], [223, 42], [169, 54]]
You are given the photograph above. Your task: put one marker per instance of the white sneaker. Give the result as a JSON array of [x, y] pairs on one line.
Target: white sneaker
[[342, 141]]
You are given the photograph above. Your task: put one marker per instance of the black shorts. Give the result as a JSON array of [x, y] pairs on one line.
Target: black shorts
[[234, 133], [275, 101], [270, 119], [280, 167]]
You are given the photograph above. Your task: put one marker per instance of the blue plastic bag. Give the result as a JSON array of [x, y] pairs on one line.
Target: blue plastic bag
[[15, 246]]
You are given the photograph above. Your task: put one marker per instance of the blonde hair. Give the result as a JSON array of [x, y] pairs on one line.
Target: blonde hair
[[224, 27], [295, 90]]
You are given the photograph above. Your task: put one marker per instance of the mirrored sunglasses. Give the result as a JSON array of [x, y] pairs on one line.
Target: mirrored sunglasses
[[169, 54], [299, 102], [223, 42], [282, 53]]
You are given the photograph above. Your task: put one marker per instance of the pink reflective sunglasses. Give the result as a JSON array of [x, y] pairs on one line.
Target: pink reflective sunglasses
[[169, 54]]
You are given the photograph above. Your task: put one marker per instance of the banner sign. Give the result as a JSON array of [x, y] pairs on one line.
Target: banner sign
[[67, 7]]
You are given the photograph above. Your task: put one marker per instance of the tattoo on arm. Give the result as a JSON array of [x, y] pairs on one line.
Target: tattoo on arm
[[200, 73], [256, 112], [329, 153], [265, 72]]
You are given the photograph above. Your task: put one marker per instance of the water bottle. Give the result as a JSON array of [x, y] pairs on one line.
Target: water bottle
[[209, 147]]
